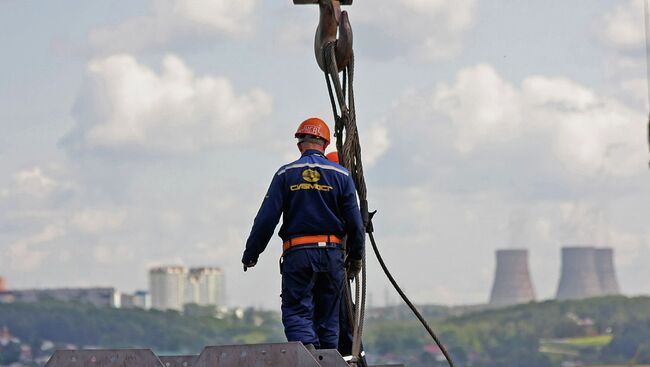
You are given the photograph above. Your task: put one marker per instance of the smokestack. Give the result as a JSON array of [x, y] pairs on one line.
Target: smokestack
[[512, 283], [579, 278], [606, 273]]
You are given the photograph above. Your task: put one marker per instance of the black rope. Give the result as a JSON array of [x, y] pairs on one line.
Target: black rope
[[349, 150], [408, 302]]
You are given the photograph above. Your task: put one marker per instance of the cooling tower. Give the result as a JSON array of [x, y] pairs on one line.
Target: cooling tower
[[512, 283], [605, 269], [579, 278]]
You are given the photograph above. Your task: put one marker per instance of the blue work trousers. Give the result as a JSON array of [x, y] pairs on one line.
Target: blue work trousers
[[312, 282]]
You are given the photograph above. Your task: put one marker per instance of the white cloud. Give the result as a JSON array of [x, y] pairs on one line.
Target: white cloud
[[374, 144], [481, 105], [113, 255], [636, 89], [624, 27], [583, 223], [129, 105], [429, 29], [22, 254], [589, 134], [175, 20], [34, 182], [95, 221], [297, 35]]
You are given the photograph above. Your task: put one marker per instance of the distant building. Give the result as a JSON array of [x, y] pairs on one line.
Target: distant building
[[171, 287], [100, 297], [142, 299], [3, 284], [126, 301], [512, 284], [139, 299], [606, 271], [587, 272], [167, 287], [204, 287]]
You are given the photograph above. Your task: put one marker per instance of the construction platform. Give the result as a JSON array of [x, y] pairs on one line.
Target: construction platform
[[292, 354]]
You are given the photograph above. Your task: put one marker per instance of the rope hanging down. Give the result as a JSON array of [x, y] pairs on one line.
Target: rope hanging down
[[349, 148], [349, 151]]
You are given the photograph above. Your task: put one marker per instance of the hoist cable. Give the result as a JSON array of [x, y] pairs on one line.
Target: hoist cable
[[349, 150]]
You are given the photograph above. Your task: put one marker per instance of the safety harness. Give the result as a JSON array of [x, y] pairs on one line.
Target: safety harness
[[324, 240]]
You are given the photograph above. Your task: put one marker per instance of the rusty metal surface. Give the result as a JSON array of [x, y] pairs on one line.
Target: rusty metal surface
[[104, 358], [329, 358], [178, 361], [292, 354], [263, 355], [333, 27]]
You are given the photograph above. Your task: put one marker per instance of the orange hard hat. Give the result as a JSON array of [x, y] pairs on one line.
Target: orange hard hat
[[315, 127], [333, 156]]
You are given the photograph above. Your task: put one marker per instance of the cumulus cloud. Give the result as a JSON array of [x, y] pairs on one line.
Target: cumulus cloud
[[95, 221], [623, 26], [589, 134], [637, 89], [429, 29], [481, 105], [128, 105], [375, 143], [34, 182], [175, 20], [111, 255], [24, 255]]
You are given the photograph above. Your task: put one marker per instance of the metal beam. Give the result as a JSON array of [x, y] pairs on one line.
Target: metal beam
[[104, 358], [178, 361], [329, 358], [292, 354]]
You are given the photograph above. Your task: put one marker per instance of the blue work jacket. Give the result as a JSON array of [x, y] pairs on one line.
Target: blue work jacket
[[315, 196]]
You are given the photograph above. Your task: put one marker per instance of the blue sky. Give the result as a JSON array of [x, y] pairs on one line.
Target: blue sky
[[146, 132]]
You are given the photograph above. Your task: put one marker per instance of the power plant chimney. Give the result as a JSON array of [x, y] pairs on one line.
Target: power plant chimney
[[512, 283], [579, 277], [606, 274]]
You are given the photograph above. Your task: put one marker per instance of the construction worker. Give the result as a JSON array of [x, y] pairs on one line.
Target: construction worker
[[318, 203]]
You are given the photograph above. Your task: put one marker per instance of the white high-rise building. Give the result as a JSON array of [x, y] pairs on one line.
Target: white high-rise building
[[167, 287], [204, 287]]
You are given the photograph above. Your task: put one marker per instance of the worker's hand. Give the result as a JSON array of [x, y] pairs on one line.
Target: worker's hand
[[249, 264], [352, 267]]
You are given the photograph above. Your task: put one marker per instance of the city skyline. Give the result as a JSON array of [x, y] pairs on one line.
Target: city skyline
[[586, 271]]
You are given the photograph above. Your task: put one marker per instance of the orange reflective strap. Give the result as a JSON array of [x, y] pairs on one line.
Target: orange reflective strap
[[306, 240]]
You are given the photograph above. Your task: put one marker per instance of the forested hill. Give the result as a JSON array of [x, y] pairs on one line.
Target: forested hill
[[609, 330], [85, 325], [596, 331]]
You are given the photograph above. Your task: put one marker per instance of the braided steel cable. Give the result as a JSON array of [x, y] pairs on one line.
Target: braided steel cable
[[349, 150]]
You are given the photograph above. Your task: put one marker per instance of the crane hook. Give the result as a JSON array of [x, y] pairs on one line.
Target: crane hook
[[333, 22]]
